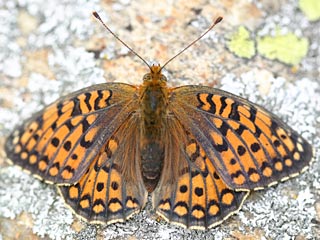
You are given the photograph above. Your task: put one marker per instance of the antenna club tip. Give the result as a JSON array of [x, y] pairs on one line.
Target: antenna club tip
[[95, 14], [219, 19]]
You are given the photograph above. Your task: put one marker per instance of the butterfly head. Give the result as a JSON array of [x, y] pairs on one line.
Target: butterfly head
[[155, 77]]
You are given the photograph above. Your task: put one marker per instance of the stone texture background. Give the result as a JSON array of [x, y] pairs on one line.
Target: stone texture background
[[48, 49]]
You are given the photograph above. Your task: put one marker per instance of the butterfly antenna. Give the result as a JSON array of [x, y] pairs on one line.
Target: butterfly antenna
[[219, 19], [96, 15]]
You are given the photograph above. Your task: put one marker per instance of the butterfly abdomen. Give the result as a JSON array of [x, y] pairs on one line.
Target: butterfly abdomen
[[153, 110]]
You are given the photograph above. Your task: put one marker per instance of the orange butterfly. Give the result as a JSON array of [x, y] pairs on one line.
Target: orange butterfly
[[198, 150]]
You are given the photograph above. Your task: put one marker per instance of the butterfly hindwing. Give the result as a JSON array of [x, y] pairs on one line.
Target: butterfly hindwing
[[190, 192], [250, 147], [59, 143], [112, 189]]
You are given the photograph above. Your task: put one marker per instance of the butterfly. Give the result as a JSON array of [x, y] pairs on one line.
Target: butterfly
[[197, 150]]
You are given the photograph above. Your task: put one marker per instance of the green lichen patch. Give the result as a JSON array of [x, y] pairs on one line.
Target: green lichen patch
[[240, 43], [287, 48], [311, 8]]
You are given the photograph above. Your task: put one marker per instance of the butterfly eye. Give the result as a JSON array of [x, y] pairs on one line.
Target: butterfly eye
[[147, 77], [163, 78]]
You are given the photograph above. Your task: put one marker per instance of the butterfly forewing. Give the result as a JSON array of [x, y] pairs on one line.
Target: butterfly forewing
[[112, 189], [59, 143], [190, 192], [249, 147]]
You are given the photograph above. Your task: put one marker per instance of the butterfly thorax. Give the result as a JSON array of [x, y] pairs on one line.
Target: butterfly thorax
[[153, 101]]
